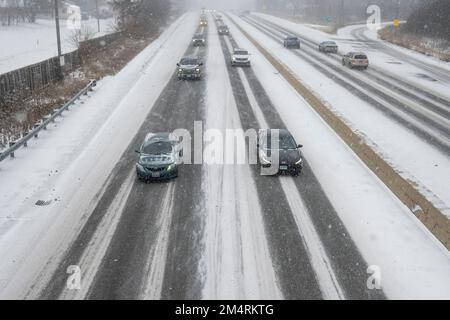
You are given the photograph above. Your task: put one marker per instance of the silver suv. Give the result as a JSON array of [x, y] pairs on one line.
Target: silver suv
[[240, 57], [356, 60]]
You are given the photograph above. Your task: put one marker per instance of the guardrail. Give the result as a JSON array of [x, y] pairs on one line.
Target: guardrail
[[23, 142]]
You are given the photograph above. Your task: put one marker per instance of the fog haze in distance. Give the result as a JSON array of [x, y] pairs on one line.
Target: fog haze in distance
[[221, 4]]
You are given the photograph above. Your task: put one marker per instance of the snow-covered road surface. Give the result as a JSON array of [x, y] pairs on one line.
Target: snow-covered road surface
[[405, 124], [217, 231]]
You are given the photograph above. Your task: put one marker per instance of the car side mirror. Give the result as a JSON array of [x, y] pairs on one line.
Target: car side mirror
[[178, 64], [200, 64], [181, 153], [300, 146], [137, 151]]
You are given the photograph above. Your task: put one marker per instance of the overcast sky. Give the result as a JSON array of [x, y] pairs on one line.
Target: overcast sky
[[224, 4]]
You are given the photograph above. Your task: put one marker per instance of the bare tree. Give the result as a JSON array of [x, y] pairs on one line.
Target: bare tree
[[141, 17]]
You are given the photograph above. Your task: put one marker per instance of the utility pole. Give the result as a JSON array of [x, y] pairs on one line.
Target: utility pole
[[340, 20], [58, 39], [98, 16]]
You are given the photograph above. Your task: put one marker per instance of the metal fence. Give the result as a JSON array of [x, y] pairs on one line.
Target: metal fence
[[24, 81], [42, 125]]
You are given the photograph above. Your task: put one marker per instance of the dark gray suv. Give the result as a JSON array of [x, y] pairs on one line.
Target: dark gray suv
[[199, 40], [291, 42], [190, 68]]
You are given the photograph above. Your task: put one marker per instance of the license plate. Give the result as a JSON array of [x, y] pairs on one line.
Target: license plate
[[283, 167], [156, 174]]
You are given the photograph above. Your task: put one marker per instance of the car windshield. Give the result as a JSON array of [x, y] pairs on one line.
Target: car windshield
[[155, 148], [189, 62], [241, 52], [285, 142], [360, 57], [292, 38]]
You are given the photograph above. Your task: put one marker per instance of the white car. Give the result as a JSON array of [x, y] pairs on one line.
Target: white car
[[240, 57]]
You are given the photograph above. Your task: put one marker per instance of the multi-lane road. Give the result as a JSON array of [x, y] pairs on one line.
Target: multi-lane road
[[223, 230]]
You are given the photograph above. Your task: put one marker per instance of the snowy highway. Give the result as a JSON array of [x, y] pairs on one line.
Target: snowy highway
[[224, 231]]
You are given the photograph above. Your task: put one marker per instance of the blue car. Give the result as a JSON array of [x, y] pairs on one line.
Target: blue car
[[159, 157]]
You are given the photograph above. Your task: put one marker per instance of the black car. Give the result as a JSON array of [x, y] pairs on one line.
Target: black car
[[190, 68], [291, 42], [198, 40], [284, 148], [159, 157], [223, 30]]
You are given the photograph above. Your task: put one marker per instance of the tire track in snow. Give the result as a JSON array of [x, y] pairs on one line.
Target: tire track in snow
[[344, 258], [96, 249], [326, 277], [423, 127], [293, 269], [156, 260], [237, 262]]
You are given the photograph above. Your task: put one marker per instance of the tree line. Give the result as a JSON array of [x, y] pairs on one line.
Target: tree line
[[431, 20], [138, 17], [141, 17], [339, 11]]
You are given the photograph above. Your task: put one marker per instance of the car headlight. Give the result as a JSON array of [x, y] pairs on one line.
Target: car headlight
[[171, 167], [140, 167], [299, 161], [180, 70], [197, 70]]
